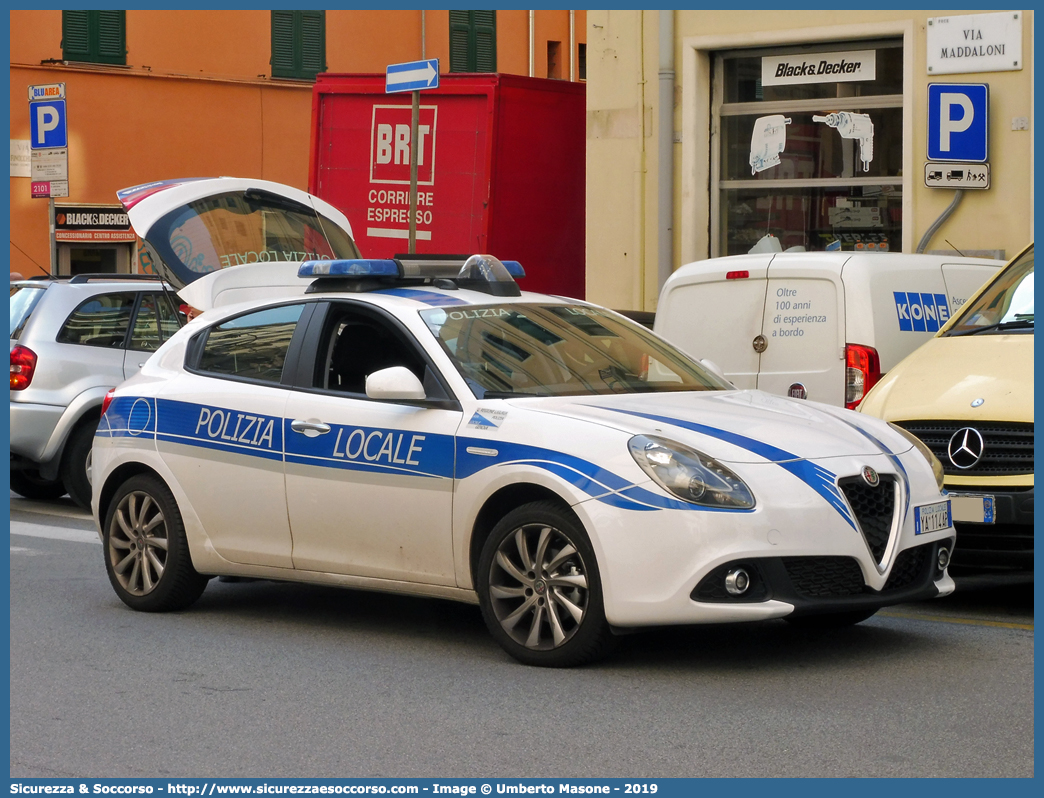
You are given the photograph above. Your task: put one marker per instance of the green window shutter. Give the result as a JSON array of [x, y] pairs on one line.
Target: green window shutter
[[76, 40], [473, 41], [298, 44], [459, 35], [282, 43], [313, 42], [485, 41], [98, 37], [112, 36]]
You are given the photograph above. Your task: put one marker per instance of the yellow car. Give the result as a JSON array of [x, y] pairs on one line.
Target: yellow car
[[968, 395]]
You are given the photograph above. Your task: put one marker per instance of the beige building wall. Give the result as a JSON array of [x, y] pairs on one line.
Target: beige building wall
[[623, 127]]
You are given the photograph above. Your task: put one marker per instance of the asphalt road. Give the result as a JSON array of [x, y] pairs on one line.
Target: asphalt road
[[262, 679]]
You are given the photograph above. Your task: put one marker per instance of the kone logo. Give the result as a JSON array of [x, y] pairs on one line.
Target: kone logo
[[390, 144], [921, 312]]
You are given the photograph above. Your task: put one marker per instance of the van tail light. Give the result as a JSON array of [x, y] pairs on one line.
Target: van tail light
[[743, 275], [23, 366], [107, 400], [862, 371]]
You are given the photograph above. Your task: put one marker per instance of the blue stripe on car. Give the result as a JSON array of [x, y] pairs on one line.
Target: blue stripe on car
[[367, 449], [816, 477], [894, 459]]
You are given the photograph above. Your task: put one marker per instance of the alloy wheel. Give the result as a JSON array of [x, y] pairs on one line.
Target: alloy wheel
[[138, 543], [538, 587]]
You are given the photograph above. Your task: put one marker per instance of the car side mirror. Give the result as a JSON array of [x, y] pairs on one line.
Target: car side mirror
[[397, 382]]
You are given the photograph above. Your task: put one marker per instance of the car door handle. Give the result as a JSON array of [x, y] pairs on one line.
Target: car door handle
[[309, 428]]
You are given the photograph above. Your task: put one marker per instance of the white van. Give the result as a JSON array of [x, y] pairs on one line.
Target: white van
[[822, 326]]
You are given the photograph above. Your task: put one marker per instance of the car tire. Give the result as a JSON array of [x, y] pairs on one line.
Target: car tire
[[146, 552], [76, 461], [540, 590], [831, 620], [31, 485]]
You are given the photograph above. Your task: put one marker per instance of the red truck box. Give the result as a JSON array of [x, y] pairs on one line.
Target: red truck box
[[501, 169]]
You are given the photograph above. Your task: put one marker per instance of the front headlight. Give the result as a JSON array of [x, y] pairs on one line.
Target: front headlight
[[933, 461], [688, 474]]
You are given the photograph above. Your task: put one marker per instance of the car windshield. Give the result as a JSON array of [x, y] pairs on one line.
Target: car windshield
[[560, 350], [252, 226], [1005, 306], [23, 300]]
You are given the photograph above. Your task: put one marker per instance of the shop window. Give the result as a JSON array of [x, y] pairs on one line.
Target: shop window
[[811, 148], [298, 44], [96, 37], [581, 61], [473, 41]]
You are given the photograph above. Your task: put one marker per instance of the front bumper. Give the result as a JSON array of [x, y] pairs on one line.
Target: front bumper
[[820, 585], [1003, 547]]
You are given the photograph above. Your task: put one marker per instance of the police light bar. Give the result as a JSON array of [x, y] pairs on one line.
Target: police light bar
[[423, 267], [349, 268]]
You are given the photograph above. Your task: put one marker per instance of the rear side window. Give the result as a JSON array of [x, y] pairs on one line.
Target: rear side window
[[253, 346], [100, 321], [23, 299], [155, 323]]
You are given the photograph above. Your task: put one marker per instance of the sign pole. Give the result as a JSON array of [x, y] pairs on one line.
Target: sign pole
[[412, 77], [414, 125], [54, 243]]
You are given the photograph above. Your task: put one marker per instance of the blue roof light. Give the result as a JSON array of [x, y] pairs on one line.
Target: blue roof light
[[349, 268], [514, 269]]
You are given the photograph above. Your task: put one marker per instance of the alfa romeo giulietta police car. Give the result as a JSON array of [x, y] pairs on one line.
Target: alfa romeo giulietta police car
[[423, 426]]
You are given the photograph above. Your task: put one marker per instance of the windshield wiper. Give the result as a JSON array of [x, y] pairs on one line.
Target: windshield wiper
[[1022, 321], [509, 394]]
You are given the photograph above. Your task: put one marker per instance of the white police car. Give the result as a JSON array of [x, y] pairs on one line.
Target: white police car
[[422, 426]]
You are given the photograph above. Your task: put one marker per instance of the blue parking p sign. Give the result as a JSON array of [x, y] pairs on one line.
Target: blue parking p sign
[[958, 122], [47, 125]]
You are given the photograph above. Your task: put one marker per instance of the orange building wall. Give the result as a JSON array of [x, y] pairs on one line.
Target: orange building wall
[[197, 101]]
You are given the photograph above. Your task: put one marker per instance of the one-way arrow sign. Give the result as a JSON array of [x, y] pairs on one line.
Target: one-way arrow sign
[[412, 76]]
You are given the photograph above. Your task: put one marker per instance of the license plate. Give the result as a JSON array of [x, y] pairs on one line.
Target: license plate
[[932, 518], [973, 508]]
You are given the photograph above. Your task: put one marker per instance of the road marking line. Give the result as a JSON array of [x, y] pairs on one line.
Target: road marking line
[[54, 533], [26, 506], [968, 621]]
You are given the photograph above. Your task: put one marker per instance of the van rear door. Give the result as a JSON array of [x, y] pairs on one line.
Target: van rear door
[[713, 310], [803, 327]]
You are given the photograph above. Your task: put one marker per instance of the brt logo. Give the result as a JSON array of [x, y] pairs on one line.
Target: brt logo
[[390, 144], [921, 312]]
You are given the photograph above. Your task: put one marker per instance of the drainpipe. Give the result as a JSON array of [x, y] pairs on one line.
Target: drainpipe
[[572, 46], [424, 35], [665, 171], [640, 181], [957, 197], [532, 44]]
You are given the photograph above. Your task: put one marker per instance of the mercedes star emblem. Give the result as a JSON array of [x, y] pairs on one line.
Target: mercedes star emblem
[[870, 477], [966, 447]]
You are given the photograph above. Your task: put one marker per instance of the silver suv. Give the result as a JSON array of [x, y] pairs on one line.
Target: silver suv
[[71, 341]]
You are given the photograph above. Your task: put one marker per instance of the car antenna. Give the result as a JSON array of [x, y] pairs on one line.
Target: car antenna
[[955, 249]]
